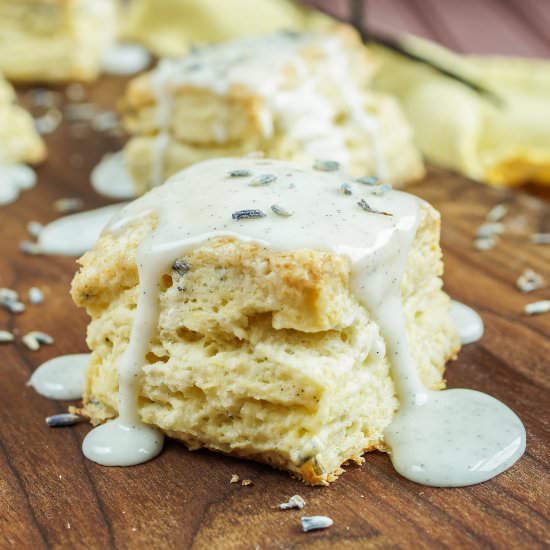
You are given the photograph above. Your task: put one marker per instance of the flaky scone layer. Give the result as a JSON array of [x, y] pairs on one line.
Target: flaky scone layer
[[262, 354]]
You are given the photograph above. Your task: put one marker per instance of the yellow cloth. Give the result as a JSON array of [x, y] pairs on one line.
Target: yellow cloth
[[454, 126], [459, 129], [170, 27]]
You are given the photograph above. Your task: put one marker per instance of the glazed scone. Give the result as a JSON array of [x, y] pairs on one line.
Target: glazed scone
[[19, 141], [261, 353], [54, 40], [294, 96]]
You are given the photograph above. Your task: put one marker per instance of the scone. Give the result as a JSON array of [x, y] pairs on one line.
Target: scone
[[54, 40], [294, 96], [19, 141], [263, 344]]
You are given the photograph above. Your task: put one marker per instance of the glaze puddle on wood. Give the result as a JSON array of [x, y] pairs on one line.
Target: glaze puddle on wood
[[467, 322], [15, 178], [73, 235], [61, 377], [111, 179]]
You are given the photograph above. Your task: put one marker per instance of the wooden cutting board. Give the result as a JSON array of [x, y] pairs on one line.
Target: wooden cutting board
[[50, 496]]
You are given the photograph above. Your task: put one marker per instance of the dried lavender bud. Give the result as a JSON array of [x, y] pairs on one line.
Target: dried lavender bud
[[326, 165], [13, 306], [281, 211], [34, 228], [497, 213], [485, 243], [64, 419], [28, 247], [295, 501], [239, 173], [529, 280], [35, 295], [8, 294], [367, 208], [48, 122], [262, 179], [248, 214], [540, 238], [68, 204], [346, 188], [368, 180], [6, 337], [34, 339], [536, 308], [181, 267], [382, 189], [489, 229], [311, 523]]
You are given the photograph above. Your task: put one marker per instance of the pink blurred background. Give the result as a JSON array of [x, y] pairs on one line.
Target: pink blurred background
[[510, 27]]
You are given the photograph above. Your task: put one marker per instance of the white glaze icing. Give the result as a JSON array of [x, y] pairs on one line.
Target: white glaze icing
[[454, 438], [197, 205], [15, 178], [125, 59], [110, 177], [258, 64], [118, 443], [467, 322], [73, 235], [62, 377]]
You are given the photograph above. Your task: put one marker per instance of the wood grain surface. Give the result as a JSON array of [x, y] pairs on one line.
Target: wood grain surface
[[52, 497]]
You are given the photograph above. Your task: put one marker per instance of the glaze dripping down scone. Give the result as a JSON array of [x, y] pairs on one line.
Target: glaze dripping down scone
[[54, 40], [19, 140], [294, 96], [256, 350]]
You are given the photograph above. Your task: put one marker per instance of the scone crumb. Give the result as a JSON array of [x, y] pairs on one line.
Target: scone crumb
[[234, 478], [247, 482]]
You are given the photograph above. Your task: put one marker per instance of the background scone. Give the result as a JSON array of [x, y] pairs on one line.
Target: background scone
[[19, 141], [54, 40], [295, 96], [260, 353]]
